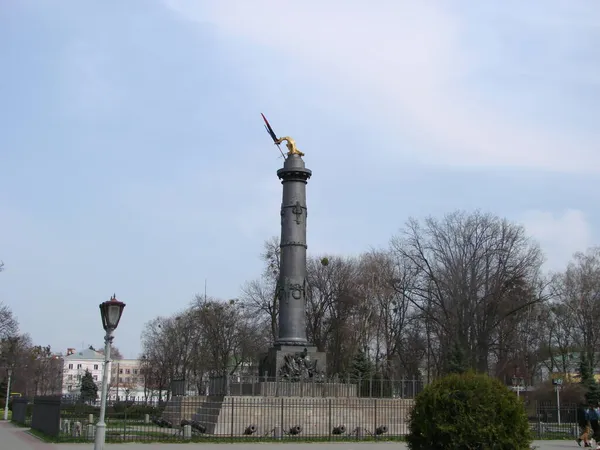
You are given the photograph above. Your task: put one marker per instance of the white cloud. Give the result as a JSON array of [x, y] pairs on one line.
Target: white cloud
[[560, 235], [407, 59]]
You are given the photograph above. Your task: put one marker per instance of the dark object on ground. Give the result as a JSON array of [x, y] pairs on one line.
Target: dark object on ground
[[381, 429], [296, 430], [339, 430], [251, 429], [197, 426], [162, 422]]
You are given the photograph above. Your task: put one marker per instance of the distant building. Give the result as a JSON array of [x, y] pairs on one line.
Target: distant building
[[566, 366], [75, 365], [126, 380]]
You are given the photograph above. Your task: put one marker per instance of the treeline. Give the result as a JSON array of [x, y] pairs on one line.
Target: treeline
[[34, 368], [462, 291]]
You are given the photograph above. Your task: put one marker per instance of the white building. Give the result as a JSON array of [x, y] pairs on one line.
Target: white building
[[75, 365], [125, 378]]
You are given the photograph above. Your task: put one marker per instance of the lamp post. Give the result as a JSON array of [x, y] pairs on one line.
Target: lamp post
[[518, 384], [557, 382], [111, 312], [7, 394]]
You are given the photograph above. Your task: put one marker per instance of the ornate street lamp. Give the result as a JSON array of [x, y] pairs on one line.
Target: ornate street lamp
[[7, 394], [518, 384], [111, 312], [12, 342], [557, 382]]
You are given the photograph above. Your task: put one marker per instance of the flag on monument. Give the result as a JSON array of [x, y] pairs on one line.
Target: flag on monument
[[269, 129]]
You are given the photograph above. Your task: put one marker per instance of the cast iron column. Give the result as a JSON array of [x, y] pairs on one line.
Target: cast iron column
[[292, 270]]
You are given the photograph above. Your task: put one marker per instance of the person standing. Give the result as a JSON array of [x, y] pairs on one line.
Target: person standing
[[583, 418], [594, 416]]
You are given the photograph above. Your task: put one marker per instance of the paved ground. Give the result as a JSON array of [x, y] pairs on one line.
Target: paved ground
[[13, 438]]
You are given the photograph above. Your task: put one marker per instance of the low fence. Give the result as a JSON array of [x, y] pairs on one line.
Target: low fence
[[202, 418], [255, 417], [46, 415], [21, 411]]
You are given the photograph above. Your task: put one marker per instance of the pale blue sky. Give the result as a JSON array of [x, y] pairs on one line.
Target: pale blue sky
[[133, 158]]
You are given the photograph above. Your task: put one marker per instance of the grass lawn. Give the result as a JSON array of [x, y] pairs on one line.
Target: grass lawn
[[2, 414]]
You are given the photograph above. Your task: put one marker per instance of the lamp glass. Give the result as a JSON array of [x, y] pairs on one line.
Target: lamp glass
[[111, 312], [113, 315]]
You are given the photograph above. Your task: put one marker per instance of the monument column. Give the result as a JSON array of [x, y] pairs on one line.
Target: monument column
[[292, 357], [292, 272]]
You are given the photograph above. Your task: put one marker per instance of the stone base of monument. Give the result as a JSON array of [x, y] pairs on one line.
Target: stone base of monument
[[232, 415], [293, 362]]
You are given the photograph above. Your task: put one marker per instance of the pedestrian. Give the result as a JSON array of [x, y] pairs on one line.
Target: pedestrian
[[594, 416], [583, 419]]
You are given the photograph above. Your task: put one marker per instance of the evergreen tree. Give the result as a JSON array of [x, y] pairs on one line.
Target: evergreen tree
[[361, 367], [89, 390], [457, 360], [586, 373]]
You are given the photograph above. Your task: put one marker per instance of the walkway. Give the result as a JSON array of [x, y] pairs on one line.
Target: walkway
[[14, 438]]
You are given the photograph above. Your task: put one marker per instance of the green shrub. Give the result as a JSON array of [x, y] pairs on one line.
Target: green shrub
[[119, 407], [139, 411], [78, 410], [471, 412]]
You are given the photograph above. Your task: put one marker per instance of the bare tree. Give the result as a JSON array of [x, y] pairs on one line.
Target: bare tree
[[334, 303], [159, 353], [9, 326], [260, 296], [391, 279], [468, 266], [45, 370], [228, 337], [577, 296], [210, 337]]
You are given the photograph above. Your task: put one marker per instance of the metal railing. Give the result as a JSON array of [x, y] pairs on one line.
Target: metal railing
[[255, 386], [239, 418]]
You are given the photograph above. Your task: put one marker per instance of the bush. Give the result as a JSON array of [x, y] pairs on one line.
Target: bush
[[133, 410], [78, 410], [139, 411], [468, 411]]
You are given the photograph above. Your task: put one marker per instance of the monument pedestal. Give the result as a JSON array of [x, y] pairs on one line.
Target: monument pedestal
[[293, 362]]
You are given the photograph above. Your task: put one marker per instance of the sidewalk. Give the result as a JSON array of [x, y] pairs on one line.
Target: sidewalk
[[14, 438]]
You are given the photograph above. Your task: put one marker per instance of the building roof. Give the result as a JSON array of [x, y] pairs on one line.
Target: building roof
[[86, 354]]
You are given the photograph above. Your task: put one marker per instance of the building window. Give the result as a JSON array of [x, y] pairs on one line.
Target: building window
[[69, 387], [95, 366], [127, 380], [121, 371], [95, 377], [70, 377], [70, 366], [120, 379], [127, 371], [78, 377], [135, 371], [79, 366]]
